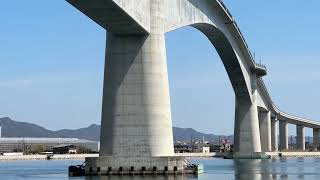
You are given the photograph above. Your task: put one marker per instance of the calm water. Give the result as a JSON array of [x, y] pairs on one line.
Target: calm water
[[219, 169]]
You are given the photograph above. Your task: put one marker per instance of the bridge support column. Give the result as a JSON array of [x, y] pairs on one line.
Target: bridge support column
[[136, 117], [316, 134], [274, 134], [265, 130], [136, 127], [300, 138], [246, 131], [283, 128]]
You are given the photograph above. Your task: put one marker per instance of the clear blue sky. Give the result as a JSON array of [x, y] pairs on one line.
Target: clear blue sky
[[52, 59]]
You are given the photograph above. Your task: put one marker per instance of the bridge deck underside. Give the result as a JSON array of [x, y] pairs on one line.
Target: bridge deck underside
[[108, 15], [229, 59]]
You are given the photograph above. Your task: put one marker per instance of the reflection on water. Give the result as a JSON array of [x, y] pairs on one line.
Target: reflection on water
[[143, 178], [253, 169], [276, 169], [220, 169]]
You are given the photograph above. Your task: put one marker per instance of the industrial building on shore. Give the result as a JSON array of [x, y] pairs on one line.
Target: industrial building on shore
[[30, 145]]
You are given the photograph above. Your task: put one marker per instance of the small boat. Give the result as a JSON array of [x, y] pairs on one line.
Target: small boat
[[49, 156], [78, 170], [200, 169], [195, 168]]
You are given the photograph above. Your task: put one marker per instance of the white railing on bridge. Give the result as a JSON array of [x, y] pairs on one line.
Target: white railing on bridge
[[262, 66], [236, 26], [275, 109]]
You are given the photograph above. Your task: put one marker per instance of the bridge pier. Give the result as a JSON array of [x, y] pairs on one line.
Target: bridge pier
[[274, 134], [316, 134], [300, 138], [136, 115], [247, 142], [136, 127], [283, 128], [265, 130]]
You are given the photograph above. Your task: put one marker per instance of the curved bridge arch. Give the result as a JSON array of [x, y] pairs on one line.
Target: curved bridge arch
[[239, 78], [216, 23], [210, 17]]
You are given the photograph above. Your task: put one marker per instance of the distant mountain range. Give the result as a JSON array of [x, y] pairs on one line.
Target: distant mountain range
[[186, 134], [11, 128]]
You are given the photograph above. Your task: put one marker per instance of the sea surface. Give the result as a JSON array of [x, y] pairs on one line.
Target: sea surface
[[215, 169]]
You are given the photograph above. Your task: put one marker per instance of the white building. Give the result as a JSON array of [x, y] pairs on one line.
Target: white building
[[205, 149]]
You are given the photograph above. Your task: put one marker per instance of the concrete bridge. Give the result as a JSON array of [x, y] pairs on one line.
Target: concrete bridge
[[136, 116], [276, 117]]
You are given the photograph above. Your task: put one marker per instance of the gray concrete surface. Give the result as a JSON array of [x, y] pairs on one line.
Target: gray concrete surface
[[300, 138], [265, 130], [274, 134], [136, 116], [316, 135], [283, 130]]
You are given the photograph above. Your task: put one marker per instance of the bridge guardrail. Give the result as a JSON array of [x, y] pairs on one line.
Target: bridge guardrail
[[221, 3], [261, 66], [281, 113], [236, 27]]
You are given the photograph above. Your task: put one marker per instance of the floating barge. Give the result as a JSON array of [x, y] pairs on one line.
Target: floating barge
[[80, 170]]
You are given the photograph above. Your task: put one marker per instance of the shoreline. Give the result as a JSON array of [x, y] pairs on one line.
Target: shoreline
[[187, 155], [285, 154], [83, 156], [52, 157]]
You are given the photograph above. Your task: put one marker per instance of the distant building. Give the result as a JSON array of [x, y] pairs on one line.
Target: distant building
[[206, 149], [216, 148], [191, 147], [0, 131], [69, 149], [28, 145], [182, 148], [224, 147], [201, 148]]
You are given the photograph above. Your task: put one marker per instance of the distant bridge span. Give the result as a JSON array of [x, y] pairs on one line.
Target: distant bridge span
[[136, 115]]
